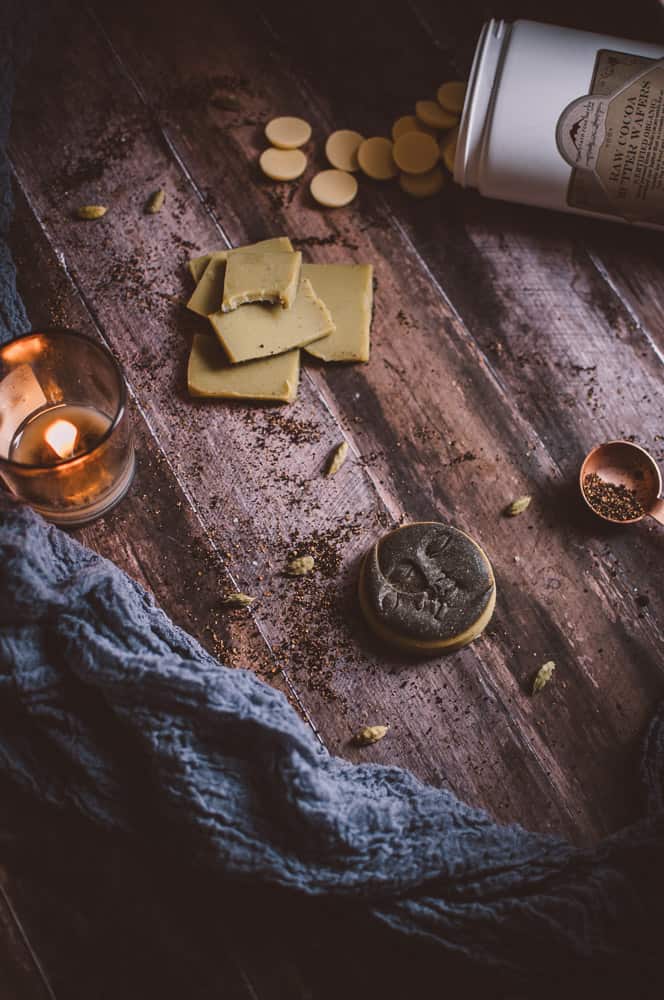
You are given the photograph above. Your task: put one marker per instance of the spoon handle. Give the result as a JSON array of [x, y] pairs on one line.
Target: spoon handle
[[657, 511]]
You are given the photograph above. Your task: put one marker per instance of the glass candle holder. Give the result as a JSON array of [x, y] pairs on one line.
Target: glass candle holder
[[66, 446]]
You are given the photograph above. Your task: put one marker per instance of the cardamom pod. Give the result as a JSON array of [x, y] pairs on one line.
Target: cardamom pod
[[338, 458], [543, 676], [301, 566], [370, 734], [238, 600], [518, 506], [92, 211], [155, 202]]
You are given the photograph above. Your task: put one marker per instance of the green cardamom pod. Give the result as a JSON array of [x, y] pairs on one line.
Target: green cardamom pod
[[370, 734], [301, 566], [518, 506], [543, 676], [92, 211], [338, 458], [238, 600], [155, 202]]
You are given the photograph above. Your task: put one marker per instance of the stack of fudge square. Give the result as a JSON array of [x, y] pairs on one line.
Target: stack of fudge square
[[265, 307]]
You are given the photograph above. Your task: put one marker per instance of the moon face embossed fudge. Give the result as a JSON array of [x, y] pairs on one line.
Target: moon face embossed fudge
[[427, 587]]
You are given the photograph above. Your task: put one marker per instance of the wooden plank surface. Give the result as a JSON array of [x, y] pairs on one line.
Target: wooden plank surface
[[21, 974], [506, 342], [450, 286], [81, 909]]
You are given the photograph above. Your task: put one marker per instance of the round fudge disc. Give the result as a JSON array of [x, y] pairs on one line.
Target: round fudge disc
[[448, 146], [416, 153], [376, 160], [283, 164], [288, 133], [427, 587], [451, 96], [409, 123], [333, 188], [422, 185], [341, 149], [431, 114]]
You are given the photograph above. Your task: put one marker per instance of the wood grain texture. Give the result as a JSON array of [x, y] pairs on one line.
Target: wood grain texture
[[21, 975], [74, 899], [506, 342], [154, 535], [448, 285], [258, 517]]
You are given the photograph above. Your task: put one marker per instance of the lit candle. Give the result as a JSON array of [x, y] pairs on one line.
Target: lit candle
[[61, 436], [57, 434], [65, 442]]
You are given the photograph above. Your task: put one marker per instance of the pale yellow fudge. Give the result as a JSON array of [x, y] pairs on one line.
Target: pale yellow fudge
[[375, 158], [210, 374], [431, 114], [209, 291], [207, 295], [347, 291], [258, 331], [197, 265], [333, 188], [261, 277], [282, 164], [448, 148], [423, 185], [451, 96], [288, 132]]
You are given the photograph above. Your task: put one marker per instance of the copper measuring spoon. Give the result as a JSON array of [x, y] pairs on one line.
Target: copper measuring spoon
[[625, 464]]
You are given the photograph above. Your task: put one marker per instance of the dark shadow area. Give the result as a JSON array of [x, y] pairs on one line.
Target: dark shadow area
[[135, 920]]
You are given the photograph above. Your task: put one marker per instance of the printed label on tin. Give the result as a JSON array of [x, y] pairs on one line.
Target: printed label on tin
[[613, 138]]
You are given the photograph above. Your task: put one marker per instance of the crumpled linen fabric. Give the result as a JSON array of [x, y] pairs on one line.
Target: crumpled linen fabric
[[109, 709]]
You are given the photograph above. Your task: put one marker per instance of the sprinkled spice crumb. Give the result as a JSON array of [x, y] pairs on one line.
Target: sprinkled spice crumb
[[616, 502]]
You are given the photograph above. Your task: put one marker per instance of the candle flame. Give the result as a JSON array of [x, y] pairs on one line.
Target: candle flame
[[61, 436]]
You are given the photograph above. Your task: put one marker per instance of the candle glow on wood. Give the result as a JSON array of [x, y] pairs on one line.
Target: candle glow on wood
[[66, 446], [62, 436]]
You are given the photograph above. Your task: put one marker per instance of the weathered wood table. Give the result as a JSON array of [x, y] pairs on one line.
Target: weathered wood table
[[506, 343]]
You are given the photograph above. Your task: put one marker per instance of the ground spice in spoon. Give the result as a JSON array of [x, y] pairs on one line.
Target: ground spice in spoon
[[617, 502]]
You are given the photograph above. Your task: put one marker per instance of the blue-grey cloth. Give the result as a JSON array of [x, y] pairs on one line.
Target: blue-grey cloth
[[127, 719], [108, 708]]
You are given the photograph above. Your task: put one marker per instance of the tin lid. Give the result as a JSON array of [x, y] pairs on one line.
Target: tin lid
[[477, 105]]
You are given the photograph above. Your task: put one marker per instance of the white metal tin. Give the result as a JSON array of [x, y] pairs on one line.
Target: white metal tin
[[523, 76]]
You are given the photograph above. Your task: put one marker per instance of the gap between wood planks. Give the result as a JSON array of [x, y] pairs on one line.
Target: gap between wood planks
[[593, 256], [87, 305], [475, 353], [311, 98], [393, 508], [604, 273], [37, 973], [392, 505]]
